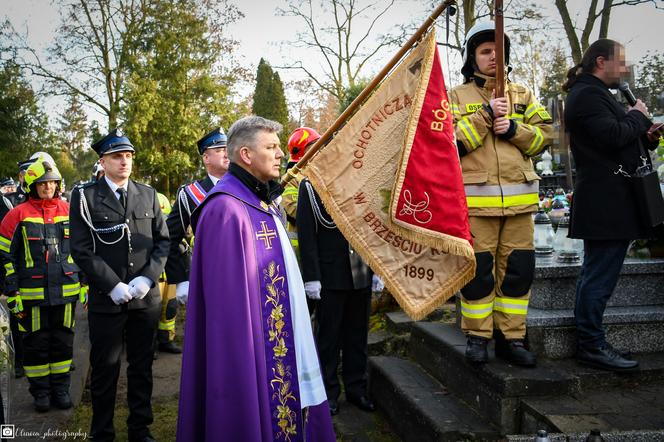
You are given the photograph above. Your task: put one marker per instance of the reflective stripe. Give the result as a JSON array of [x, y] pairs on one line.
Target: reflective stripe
[[497, 190], [35, 220], [530, 110], [70, 260], [476, 311], [455, 109], [59, 219], [67, 320], [66, 231], [290, 191], [537, 141], [31, 293], [60, 367], [470, 132], [518, 117], [511, 305], [71, 289], [36, 318], [505, 201], [5, 244], [29, 263], [9, 269], [167, 325], [36, 371]]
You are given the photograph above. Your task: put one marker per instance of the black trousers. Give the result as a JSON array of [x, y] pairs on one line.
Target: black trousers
[[342, 326], [48, 347], [17, 337], [108, 332]]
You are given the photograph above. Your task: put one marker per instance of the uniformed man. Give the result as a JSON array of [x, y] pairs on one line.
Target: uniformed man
[[42, 283], [19, 195], [7, 185], [120, 240], [496, 138], [212, 148]]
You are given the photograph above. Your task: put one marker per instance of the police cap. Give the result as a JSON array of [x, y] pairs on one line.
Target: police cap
[[23, 165], [115, 141], [215, 139]]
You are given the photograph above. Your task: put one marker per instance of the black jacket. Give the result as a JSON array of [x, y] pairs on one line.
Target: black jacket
[[111, 264], [602, 137], [326, 254], [179, 261]]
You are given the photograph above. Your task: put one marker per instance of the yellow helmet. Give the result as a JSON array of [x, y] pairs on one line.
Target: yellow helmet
[[164, 204], [41, 170]]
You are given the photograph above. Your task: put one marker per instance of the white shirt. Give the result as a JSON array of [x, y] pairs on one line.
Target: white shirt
[[114, 187], [214, 179]]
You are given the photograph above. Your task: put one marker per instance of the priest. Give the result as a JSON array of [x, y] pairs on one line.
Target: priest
[[250, 370]]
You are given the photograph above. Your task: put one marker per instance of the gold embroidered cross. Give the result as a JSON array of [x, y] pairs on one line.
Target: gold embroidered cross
[[266, 235]]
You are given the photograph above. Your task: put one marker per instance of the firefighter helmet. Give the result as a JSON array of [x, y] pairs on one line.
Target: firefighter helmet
[[478, 34], [299, 140], [164, 203], [45, 157], [40, 171]]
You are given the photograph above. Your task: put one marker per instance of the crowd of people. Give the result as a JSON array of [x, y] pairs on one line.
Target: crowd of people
[[254, 262]]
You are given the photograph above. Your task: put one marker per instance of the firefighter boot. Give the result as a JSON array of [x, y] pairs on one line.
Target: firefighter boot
[[476, 349], [60, 391], [42, 403], [514, 351]]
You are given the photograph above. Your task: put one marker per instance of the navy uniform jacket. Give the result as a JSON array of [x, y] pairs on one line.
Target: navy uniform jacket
[[177, 266], [111, 264]]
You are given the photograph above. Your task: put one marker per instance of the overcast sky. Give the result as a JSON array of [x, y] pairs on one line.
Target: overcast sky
[[262, 31]]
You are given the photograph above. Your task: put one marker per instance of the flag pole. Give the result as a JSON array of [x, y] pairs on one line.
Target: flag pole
[[500, 48], [365, 92]]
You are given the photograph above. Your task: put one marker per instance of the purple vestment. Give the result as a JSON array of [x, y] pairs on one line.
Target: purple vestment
[[239, 374]]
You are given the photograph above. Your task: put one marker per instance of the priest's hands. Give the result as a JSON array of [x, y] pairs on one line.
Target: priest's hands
[[139, 287], [182, 292], [312, 289], [120, 293]]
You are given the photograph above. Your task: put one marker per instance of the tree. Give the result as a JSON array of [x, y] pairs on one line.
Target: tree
[[651, 80], [270, 99], [23, 126], [91, 52], [555, 76], [346, 47], [177, 90], [73, 126], [579, 44]]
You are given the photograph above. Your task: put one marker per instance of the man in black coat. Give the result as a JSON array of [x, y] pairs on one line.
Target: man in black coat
[[605, 140], [334, 273], [120, 240]]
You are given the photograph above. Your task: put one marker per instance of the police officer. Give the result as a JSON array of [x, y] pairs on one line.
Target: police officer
[[496, 138], [120, 240], [212, 148], [42, 283]]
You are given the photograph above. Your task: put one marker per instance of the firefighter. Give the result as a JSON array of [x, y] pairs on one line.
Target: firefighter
[[496, 138], [42, 283], [166, 328], [298, 142]]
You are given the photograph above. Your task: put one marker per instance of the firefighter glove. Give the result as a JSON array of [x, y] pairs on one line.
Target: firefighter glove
[[15, 303], [182, 292], [83, 295]]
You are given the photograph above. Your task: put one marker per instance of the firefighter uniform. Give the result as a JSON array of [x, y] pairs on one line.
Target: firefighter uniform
[[42, 285], [289, 204], [166, 328]]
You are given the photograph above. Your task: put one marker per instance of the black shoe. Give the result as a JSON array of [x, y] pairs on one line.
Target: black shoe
[[476, 350], [61, 400], [362, 402], [334, 406], [19, 372], [605, 358], [514, 352], [42, 403], [170, 347]]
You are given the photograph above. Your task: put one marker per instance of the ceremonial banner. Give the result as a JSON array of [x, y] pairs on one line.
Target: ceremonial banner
[[356, 175]]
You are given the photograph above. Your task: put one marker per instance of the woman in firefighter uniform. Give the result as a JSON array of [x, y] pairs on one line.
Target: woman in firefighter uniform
[[42, 283], [496, 138]]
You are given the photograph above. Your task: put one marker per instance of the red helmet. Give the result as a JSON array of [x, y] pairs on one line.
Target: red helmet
[[299, 140]]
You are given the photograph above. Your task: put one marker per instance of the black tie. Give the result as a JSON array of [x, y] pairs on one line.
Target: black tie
[[123, 197]]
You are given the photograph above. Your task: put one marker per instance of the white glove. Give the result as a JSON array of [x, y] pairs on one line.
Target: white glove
[[120, 293], [139, 287], [182, 292], [312, 289], [377, 284]]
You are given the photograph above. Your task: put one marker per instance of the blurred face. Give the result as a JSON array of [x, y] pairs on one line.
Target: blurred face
[[216, 161], [485, 58], [117, 166], [264, 159], [614, 69], [46, 189], [8, 189]]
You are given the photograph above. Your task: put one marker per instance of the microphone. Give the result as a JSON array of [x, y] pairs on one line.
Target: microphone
[[627, 93]]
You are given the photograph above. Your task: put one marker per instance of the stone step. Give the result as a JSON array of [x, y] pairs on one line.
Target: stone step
[[638, 408], [421, 409], [640, 329], [494, 389], [641, 282]]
